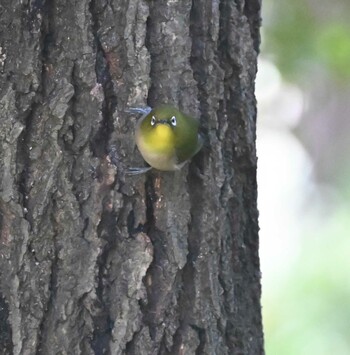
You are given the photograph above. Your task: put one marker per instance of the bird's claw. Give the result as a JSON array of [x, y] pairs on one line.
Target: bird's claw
[[137, 171], [143, 110]]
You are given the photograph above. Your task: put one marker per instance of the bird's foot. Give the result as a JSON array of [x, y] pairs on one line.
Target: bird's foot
[[137, 171], [142, 110]]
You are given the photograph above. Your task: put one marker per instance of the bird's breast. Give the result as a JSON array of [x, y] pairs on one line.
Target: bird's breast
[[158, 147]]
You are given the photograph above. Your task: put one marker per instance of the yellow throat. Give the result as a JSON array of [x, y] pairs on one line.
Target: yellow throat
[[161, 139], [158, 146]]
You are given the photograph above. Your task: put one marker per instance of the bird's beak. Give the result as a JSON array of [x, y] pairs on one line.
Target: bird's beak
[[163, 122]]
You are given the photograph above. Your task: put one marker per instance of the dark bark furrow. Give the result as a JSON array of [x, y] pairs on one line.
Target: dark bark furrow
[[6, 344]]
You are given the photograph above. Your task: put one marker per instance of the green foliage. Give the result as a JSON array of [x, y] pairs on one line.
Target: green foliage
[[333, 48], [308, 312], [302, 40]]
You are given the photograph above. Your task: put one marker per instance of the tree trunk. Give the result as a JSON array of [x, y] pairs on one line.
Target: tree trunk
[[97, 262]]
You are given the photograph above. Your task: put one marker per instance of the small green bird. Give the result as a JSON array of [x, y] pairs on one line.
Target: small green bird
[[166, 138]]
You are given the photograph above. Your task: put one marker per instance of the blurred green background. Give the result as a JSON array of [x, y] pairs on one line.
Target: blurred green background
[[303, 92]]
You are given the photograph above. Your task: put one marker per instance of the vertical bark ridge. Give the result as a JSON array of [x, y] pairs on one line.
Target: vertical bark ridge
[[239, 194]]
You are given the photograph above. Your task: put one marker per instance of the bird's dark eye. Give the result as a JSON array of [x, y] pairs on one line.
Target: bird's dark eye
[[153, 121], [173, 121]]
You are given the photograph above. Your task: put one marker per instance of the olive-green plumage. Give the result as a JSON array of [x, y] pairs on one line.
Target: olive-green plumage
[[167, 138]]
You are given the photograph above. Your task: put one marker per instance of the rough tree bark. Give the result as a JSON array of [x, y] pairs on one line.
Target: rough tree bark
[[96, 262]]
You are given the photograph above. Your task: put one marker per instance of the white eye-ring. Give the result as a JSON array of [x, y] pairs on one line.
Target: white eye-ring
[[153, 121], [173, 121]]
